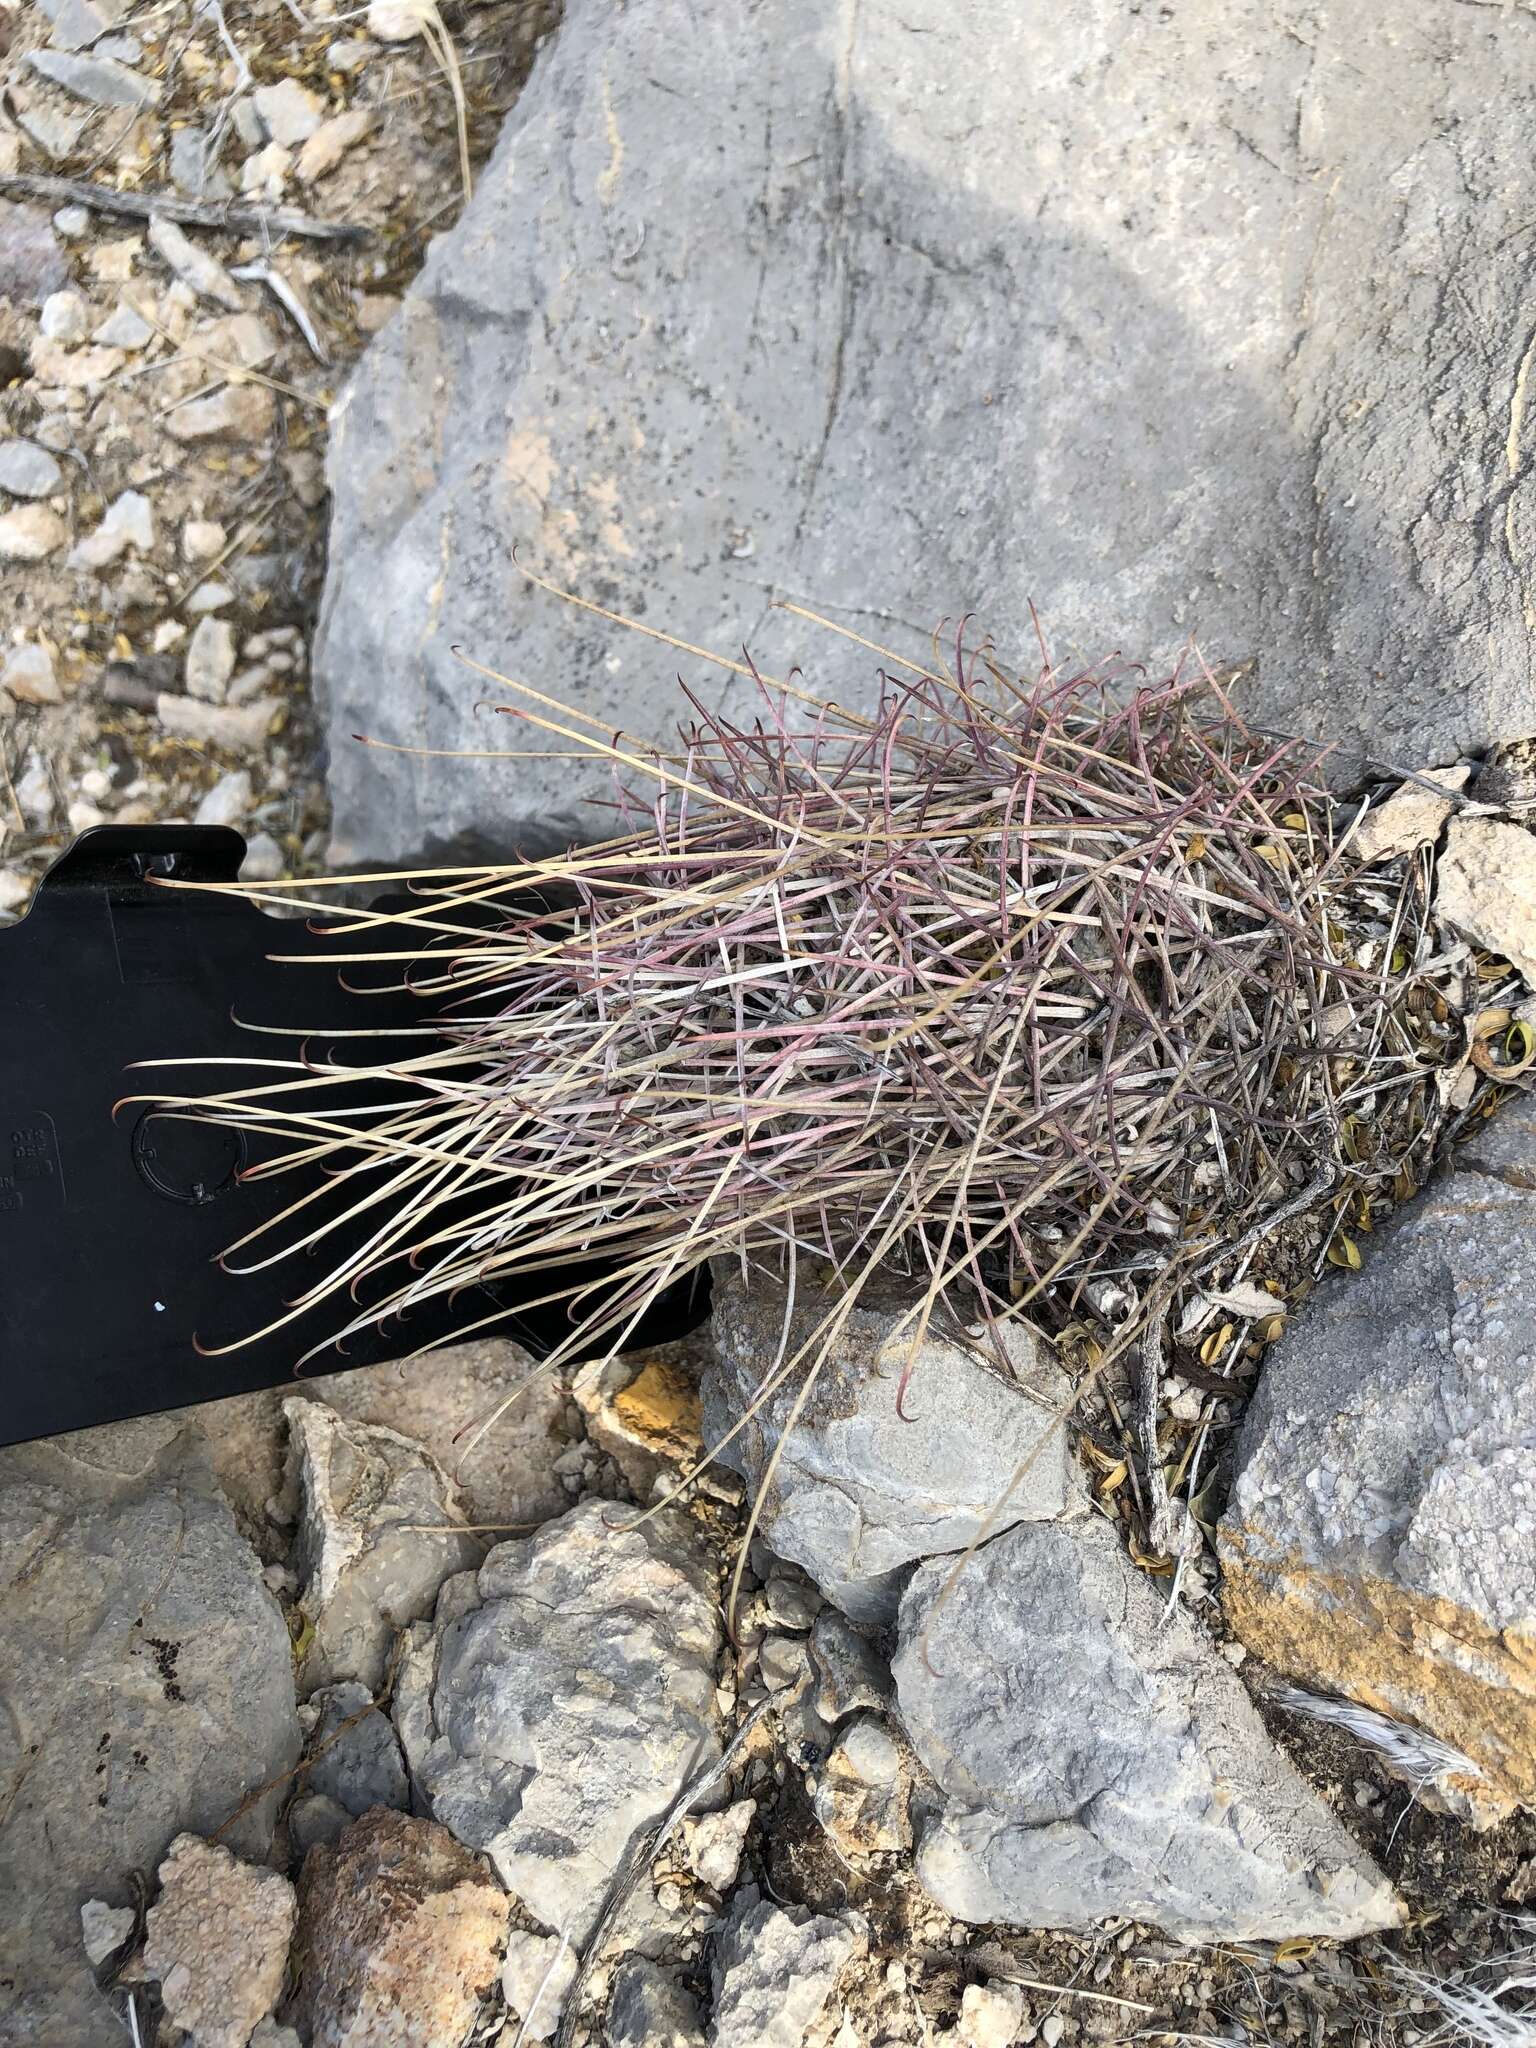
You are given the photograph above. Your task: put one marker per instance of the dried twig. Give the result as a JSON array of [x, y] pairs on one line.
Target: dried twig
[[1078, 1991], [229, 219], [306, 1764], [1150, 1396], [291, 303], [212, 11]]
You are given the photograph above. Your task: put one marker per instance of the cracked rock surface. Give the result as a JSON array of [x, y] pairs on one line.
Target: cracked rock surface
[[697, 435], [370, 1502], [871, 1479], [648, 2008], [562, 1699], [146, 1688], [775, 1970], [1380, 1540], [356, 1756], [1095, 1759]]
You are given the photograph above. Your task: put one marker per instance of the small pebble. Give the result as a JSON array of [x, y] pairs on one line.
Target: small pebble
[[289, 112], [34, 792], [104, 1929], [202, 539], [247, 124], [27, 471], [95, 783], [350, 56], [1052, 2029], [113, 262], [990, 2014], [29, 676], [197, 267], [789, 1604], [64, 318], [395, 21], [263, 859], [128, 522], [330, 142], [13, 891], [536, 1973], [240, 729], [267, 171], [124, 328], [192, 168], [169, 635], [210, 597], [227, 802], [210, 660], [100, 80], [782, 1661], [72, 222], [82, 816], [30, 533], [713, 1844], [56, 134]]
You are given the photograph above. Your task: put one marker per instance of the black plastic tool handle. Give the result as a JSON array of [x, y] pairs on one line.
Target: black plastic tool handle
[[110, 1230]]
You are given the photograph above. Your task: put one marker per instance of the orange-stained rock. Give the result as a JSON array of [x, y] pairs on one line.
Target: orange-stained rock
[[646, 1419], [1416, 1659], [1380, 1541], [400, 1936], [662, 1409]]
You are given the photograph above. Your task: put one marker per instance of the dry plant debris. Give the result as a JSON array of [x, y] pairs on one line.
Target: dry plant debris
[[1063, 996]]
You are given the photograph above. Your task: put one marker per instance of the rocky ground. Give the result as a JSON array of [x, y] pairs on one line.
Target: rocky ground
[[322, 1726], [419, 1743], [165, 388]]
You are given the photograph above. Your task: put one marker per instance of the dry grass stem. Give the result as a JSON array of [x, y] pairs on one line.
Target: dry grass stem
[[1060, 994]]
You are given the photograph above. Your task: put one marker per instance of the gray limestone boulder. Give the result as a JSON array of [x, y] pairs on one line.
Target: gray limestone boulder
[[1380, 1539], [648, 2008], [370, 1504], [775, 1969], [435, 1400], [562, 1700], [1095, 1758], [146, 1690], [355, 1753], [870, 1480], [1148, 316]]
